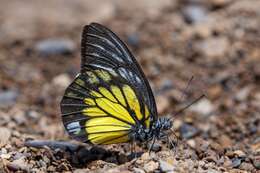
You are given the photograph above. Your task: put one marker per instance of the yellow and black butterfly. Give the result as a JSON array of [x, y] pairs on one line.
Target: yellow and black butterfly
[[110, 101]]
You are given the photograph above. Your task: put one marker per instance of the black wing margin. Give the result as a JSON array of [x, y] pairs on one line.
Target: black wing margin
[[102, 49]]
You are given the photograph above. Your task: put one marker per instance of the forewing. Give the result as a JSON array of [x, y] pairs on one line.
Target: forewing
[[102, 49]]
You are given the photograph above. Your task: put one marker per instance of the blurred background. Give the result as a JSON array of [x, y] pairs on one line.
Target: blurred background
[[216, 41]]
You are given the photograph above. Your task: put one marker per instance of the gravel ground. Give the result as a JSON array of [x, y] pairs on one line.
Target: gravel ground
[[216, 41]]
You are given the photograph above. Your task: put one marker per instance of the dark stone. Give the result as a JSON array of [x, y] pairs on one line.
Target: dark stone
[[236, 162], [50, 47], [194, 13], [8, 98], [133, 39], [188, 131]]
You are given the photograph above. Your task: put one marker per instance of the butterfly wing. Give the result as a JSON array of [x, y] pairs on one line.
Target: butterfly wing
[[110, 95], [102, 48]]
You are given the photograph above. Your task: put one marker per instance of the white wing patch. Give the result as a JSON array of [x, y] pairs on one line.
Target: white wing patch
[[73, 127]]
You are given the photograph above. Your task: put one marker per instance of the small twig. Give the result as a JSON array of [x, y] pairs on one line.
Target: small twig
[[66, 146]]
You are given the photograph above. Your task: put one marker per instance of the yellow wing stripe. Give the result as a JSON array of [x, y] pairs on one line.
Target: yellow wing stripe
[[132, 100], [117, 92], [107, 94], [104, 75], [146, 112], [117, 140], [147, 123], [92, 78], [147, 118], [115, 109], [106, 137], [106, 121], [95, 94], [80, 82], [89, 102], [105, 129], [93, 112]]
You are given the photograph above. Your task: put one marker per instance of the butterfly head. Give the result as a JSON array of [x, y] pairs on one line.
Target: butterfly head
[[160, 127]]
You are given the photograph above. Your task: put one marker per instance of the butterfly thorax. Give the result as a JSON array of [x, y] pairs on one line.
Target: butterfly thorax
[[157, 130], [160, 127], [139, 133]]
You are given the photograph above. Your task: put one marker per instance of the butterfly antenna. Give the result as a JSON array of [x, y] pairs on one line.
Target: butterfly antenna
[[186, 88], [171, 144], [187, 106], [151, 146]]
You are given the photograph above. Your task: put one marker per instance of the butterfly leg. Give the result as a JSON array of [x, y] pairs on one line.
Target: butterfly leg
[[178, 138], [132, 148], [151, 146], [172, 144]]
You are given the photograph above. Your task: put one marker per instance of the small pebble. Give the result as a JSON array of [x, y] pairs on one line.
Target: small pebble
[[165, 86], [122, 158], [19, 117], [133, 39], [225, 141], [240, 153], [210, 170], [246, 166], [146, 156], [165, 166], [177, 124], [203, 107], [227, 162], [230, 154], [214, 47], [191, 143], [138, 170], [151, 166], [162, 103], [5, 135], [256, 161], [33, 114], [236, 162], [19, 164], [188, 131], [61, 81], [243, 94], [156, 147], [75, 171], [8, 98], [5, 156], [195, 13], [18, 155], [219, 3]]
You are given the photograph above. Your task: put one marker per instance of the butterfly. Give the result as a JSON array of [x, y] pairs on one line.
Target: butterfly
[[110, 101]]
